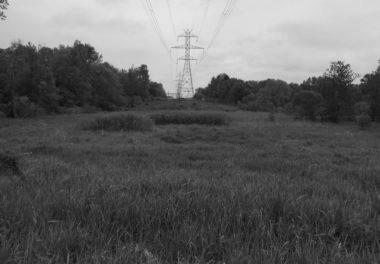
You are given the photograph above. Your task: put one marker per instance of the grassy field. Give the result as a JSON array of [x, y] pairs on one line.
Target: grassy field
[[252, 191]]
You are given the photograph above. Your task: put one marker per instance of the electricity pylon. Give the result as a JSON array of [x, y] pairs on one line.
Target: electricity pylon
[[178, 86], [185, 87]]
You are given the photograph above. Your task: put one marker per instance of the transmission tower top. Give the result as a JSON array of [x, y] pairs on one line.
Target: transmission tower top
[[185, 87]]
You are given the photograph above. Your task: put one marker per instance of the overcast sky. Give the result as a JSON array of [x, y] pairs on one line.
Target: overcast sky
[[284, 39]]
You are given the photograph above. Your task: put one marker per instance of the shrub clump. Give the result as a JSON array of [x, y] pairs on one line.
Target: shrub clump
[[121, 122], [272, 116], [364, 121], [22, 107], [9, 165], [183, 118], [362, 111], [362, 108]]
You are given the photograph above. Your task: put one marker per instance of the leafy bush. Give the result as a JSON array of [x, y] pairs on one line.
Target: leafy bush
[[271, 116], [120, 122], [156, 90], [136, 101], [362, 108], [186, 118], [20, 107], [67, 77], [25, 108], [307, 105], [9, 165], [76, 110], [363, 120], [248, 103]]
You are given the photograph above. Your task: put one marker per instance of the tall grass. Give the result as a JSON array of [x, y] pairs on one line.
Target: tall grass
[[119, 122], [190, 118], [176, 218], [10, 166], [257, 192]]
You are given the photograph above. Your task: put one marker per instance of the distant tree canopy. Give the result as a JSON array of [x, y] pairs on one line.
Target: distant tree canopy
[[307, 104], [3, 6], [370, 88], [49, 80], [330, 97], [272, 94], [262, 96]]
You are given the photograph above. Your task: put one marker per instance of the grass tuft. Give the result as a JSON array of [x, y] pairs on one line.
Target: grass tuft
[[9, 165], [120, 122], [272, 117], [190, 118]]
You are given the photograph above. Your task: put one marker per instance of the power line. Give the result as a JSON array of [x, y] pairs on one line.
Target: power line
[[204, 18], [225, 14], [157, 25], [171, 18], [147, 5], [194, 17], [222, 20]]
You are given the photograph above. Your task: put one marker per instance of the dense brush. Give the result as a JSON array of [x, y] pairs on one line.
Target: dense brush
[[119, 122], [190, 118]]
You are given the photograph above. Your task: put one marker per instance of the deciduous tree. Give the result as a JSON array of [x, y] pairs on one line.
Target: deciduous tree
[[308, 104], [336, 87], [370, 87]]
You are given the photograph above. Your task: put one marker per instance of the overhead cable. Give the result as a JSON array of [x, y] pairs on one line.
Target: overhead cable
[[204, 18], [222, 20], [171, 17], [147, 5]]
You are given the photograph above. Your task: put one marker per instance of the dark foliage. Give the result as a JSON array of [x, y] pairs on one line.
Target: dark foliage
[[362, 108], [363, 120], [338, 91], [9, 165], [188, 118], [119, 122], [225, 90], [40, 79], [331, 97], [271, 116], [370, 87], [307, 104], [157, 90]]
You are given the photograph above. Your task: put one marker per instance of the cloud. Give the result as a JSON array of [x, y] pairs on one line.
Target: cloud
[[80, 19], [326, 35]]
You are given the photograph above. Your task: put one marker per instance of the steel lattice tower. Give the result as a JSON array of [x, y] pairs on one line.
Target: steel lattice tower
[[185, 86]]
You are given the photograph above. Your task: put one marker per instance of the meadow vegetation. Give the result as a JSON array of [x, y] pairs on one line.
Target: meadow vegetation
[[255, 191], [119, 122], [190, 118]]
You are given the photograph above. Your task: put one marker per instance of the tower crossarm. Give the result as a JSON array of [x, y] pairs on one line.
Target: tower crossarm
[[195, 47], [188, 36], [179, 47], [187, 47], [184, 59]]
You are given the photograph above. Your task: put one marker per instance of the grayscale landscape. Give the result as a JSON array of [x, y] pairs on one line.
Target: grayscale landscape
[[189, 132]]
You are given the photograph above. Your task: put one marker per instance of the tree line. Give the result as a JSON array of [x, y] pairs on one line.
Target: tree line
[[331, 97], [40, 79]]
